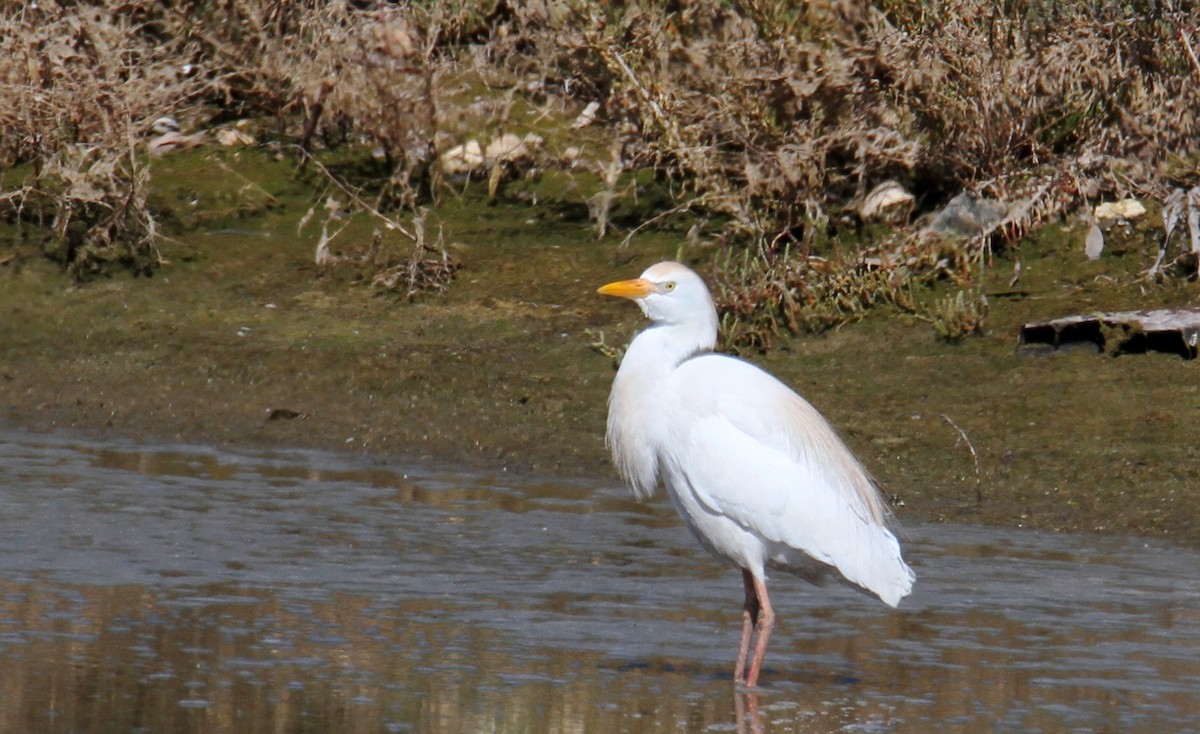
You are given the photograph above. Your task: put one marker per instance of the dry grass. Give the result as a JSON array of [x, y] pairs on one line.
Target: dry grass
[[81, 87], [773, 117], [764, 118]]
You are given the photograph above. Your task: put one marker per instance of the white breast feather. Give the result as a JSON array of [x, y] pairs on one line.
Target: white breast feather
[[631, 435]]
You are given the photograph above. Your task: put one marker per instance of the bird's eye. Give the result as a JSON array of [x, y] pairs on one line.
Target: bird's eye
[[669, 286]]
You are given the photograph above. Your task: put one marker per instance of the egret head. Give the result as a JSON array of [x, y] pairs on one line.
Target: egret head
[[668, 293]]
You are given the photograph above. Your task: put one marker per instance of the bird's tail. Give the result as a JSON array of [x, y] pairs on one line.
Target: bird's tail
[[867, 556], [884, 573]]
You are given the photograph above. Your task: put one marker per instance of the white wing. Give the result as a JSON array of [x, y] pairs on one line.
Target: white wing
[[757, 453]]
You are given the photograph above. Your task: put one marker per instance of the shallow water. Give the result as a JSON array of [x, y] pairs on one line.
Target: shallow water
[[181, 588]]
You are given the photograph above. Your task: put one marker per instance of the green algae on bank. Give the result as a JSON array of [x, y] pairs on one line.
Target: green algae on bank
[[499, 370]]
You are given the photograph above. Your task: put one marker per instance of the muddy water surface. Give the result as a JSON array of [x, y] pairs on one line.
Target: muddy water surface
[[183, 589]]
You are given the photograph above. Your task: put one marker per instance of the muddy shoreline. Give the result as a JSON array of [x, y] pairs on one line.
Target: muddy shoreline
[[505, 404]]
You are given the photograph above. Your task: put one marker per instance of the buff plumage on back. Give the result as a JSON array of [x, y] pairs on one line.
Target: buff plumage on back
[[859, 488], [751, 450]]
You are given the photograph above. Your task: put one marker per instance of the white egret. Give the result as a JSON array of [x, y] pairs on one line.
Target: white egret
[[755, 471]]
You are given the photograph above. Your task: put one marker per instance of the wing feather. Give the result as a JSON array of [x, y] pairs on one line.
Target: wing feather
[[757, 453]]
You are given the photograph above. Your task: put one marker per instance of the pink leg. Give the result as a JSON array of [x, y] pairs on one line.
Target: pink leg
[[749, 620], [766, 623]]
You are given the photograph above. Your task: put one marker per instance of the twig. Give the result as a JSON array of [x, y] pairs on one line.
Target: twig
[[974, 457], [248, 182], [599, 344], [314, 117], [685, 206], [664, 121], [390, 222], [1188, 47]]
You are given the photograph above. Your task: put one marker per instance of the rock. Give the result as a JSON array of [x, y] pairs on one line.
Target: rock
[[1111, 211], [533, 142], [471, 156], [886, 200], [588, 116], [172, 141], [463, 158], [968, 216], [230, 136], [509, 148], [165, 124], [1094, 245]]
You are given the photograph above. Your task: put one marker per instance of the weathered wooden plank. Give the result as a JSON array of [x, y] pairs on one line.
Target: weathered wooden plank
[[1173, 330]]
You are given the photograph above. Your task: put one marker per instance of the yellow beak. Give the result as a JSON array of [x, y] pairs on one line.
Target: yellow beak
[[637, 288]]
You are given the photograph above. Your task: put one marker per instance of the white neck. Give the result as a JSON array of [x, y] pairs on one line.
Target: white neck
[[635, 405]]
